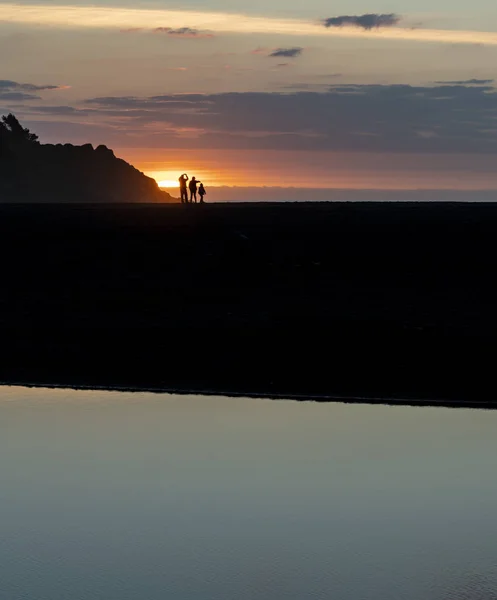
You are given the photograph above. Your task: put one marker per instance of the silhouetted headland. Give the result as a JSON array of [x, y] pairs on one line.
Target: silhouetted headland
[[34, 172]]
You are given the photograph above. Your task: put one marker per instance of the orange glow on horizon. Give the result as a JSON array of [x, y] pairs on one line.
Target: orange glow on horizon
[[170, 179], [315, 170]]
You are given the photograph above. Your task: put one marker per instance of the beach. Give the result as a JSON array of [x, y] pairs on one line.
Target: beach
[[388, 302]]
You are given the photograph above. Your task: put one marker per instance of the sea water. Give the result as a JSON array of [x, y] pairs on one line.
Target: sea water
[[118, 496]]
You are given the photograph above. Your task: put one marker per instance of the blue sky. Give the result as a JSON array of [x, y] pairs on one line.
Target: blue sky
[[222, 78]]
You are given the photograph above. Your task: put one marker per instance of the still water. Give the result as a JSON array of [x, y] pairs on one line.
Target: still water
[[109, 496]]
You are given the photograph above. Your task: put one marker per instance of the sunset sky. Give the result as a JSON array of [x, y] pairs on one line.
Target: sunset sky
[[277, 93]]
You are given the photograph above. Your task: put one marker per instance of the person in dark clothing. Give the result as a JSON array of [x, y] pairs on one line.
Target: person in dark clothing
[[182, 188], [201, 193], [193, 189]]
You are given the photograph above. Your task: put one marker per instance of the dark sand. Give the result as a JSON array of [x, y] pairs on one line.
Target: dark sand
[[361, 300]]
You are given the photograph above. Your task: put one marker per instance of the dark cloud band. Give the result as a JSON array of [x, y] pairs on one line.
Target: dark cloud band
[[378, 118]]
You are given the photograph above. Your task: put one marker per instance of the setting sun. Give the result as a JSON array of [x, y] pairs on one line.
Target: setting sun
[[168, 183]]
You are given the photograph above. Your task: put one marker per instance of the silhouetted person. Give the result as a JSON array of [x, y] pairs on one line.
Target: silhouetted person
[[201, 193], [182, 188], [193, 189]]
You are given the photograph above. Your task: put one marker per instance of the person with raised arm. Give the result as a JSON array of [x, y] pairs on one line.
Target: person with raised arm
[[182, 188]]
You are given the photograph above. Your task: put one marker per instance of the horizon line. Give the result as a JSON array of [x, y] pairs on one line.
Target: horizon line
[[341, 189]]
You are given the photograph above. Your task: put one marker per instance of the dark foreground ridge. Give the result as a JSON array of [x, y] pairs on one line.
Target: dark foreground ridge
[[385, 301]]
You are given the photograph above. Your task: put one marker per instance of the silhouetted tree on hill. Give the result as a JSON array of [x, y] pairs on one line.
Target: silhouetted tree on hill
[[14, 131]]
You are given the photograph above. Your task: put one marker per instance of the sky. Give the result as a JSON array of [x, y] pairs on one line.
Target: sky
[[390, 94]]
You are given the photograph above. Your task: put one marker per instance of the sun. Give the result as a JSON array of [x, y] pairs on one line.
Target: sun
[[168, 183]]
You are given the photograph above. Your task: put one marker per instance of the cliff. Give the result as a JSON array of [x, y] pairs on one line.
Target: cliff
[[34, 172]]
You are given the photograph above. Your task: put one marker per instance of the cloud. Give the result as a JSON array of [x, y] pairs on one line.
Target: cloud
[[467, 82], [184, 32], [153, 102], [13, 91], [17, 96], [375, 118], [368, 21], [305, 85], [286, 52], [7, 85], [59, 110]]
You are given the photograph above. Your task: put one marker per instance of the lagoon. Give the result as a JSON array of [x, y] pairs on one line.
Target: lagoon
[[121, 496]]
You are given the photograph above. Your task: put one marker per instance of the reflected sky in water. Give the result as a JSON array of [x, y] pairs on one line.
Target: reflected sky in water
[[139, 497]]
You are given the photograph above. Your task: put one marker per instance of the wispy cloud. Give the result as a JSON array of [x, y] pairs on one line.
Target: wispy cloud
[[184, 32], [467, 82], [59, 110], [12, 91], [367, 22], [77, 17], [259, 50], [17, 96], [286, 52], [7, 85]]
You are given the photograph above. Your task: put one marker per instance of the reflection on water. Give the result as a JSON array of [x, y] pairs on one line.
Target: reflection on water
[[138, 497]]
